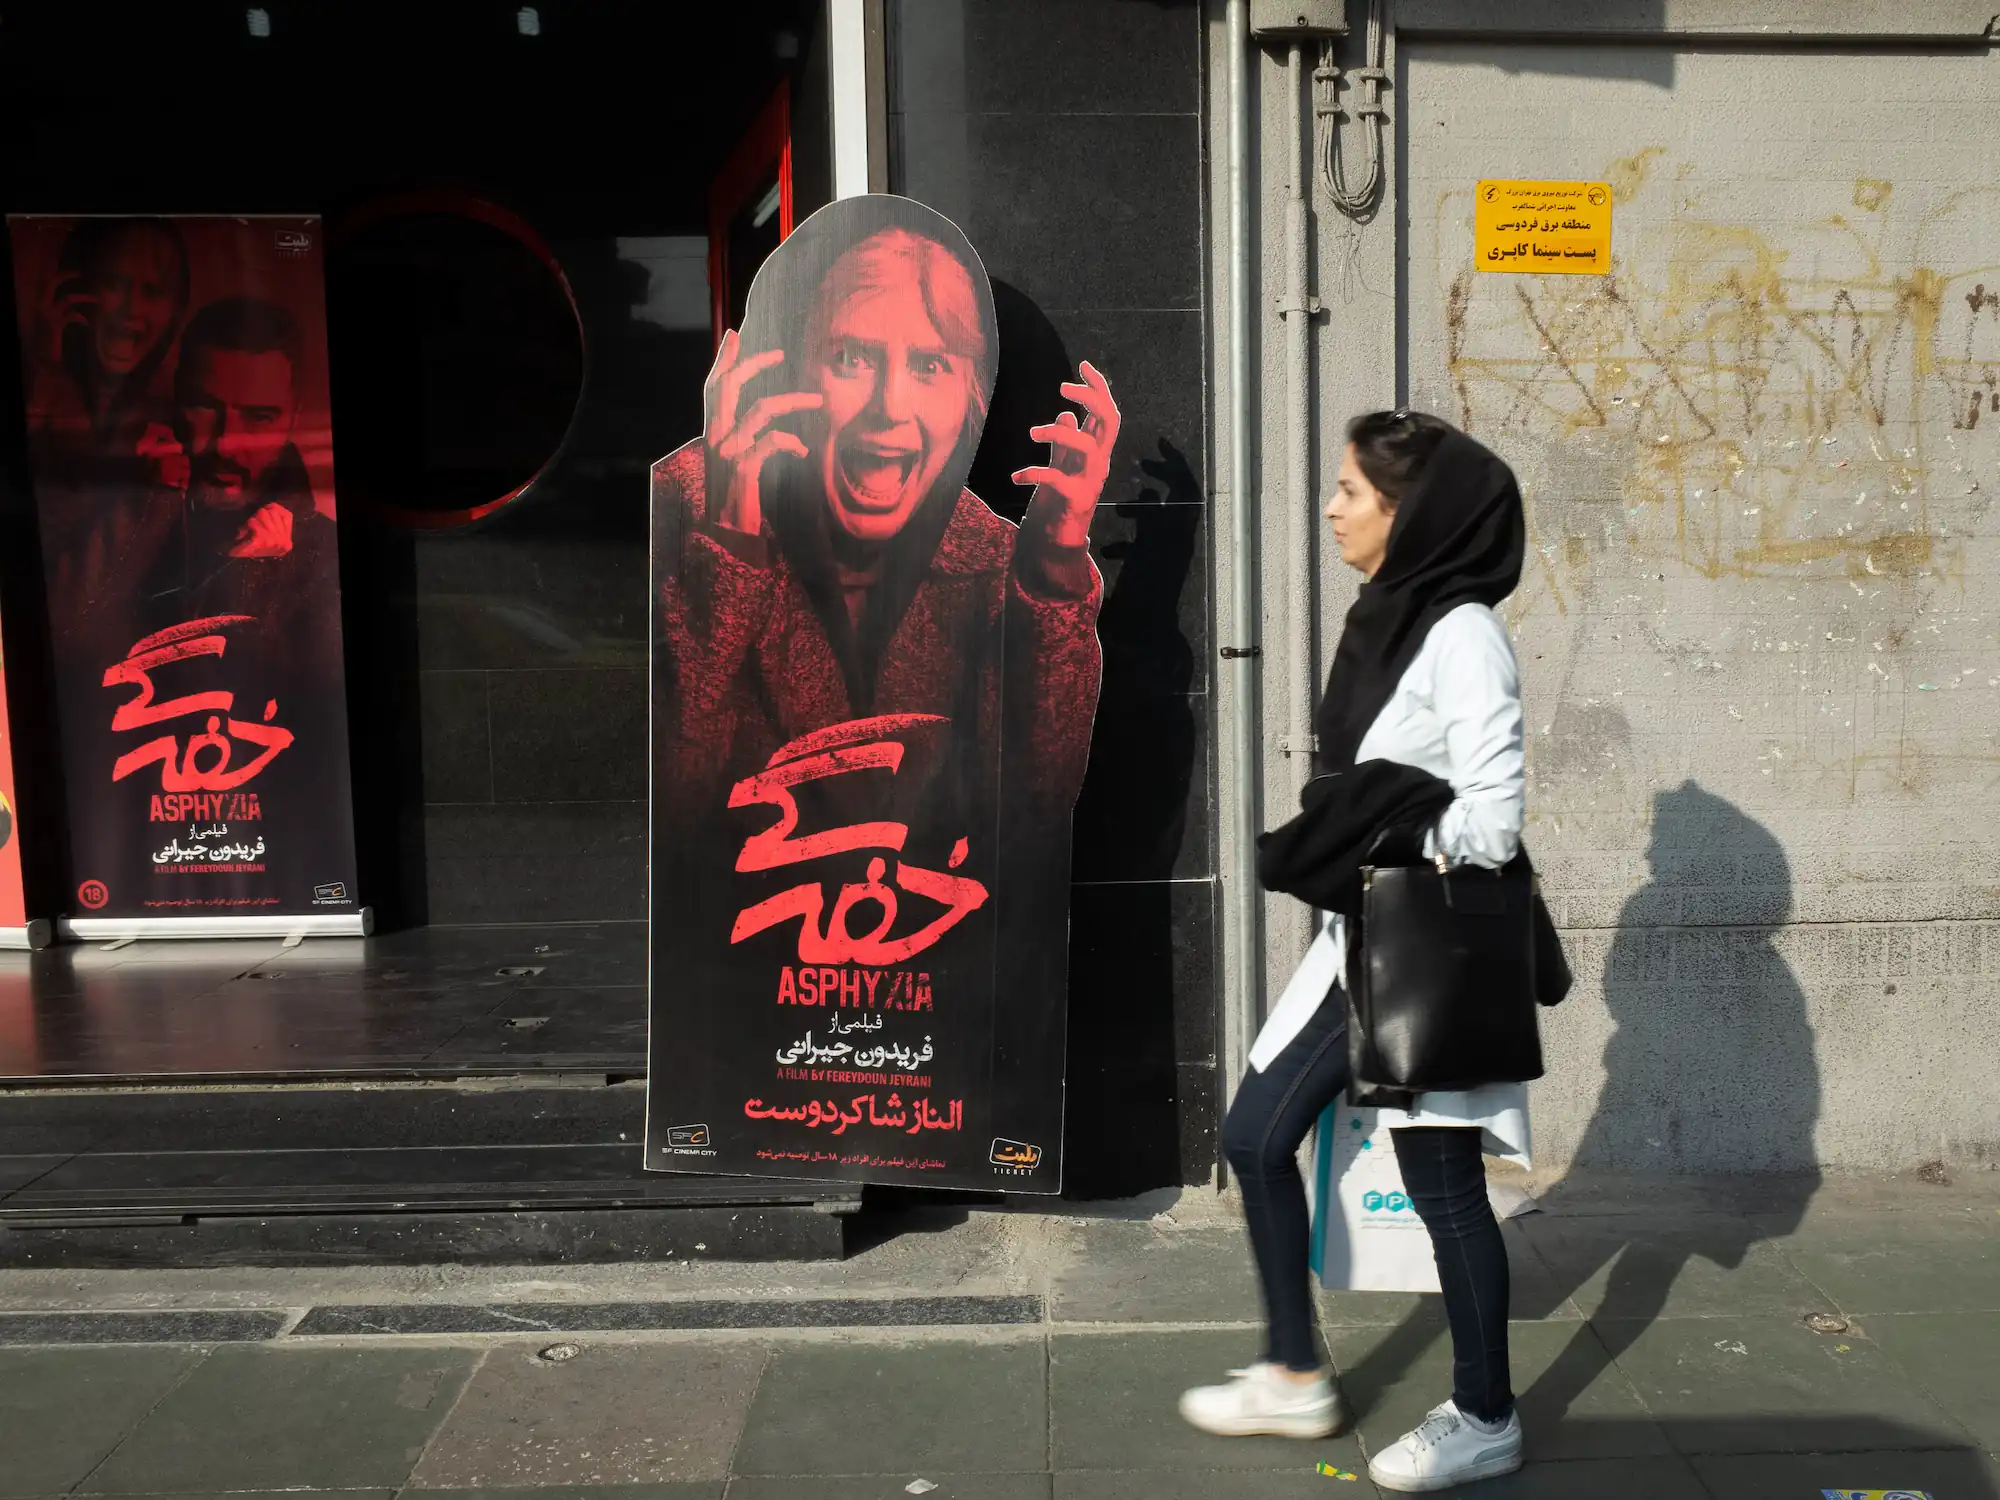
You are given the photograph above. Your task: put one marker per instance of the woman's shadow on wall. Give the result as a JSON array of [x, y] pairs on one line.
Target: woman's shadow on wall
[[1709, 1074], [1710, 1070]]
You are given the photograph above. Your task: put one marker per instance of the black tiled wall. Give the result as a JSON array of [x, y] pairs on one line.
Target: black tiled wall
[[1065, 139], [523, 756]]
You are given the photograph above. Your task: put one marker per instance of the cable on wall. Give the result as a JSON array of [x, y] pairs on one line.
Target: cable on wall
[[1355, 202]]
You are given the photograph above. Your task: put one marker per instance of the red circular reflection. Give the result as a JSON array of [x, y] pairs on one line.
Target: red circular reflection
[[433, 326]]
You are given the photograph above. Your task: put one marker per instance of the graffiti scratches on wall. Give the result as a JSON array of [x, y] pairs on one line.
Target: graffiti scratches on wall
[[1783, 398], [1759, 459]]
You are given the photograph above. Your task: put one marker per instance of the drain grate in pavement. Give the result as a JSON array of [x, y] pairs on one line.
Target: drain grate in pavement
[[638, 1317]]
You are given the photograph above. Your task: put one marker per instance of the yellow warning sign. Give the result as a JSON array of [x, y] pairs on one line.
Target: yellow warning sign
[[1562, 228]]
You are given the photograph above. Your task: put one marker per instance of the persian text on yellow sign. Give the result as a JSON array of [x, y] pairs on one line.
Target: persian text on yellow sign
[[1561, 228]]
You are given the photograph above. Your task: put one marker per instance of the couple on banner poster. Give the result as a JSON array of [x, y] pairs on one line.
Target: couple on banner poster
[[182, 457], [873, 701]]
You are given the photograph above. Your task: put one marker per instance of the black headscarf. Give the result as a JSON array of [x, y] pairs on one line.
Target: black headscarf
[[1458, 538]]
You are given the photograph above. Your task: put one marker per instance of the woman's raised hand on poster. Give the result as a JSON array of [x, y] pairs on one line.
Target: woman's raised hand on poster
[[69, 302], [739, 444], [1079, 458]]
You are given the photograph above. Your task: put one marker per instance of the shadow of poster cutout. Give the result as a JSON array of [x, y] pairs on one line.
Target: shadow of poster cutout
[[872, 709]]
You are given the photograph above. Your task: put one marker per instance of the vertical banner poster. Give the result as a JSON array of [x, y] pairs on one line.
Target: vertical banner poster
[[872, 708], [13, 905], [182, 457]]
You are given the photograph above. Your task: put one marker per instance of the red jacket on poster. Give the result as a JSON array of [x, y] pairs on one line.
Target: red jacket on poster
[[1000, 615]]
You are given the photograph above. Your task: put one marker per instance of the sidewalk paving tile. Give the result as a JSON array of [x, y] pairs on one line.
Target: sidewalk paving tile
[[1623, 1267], [1537, 1293], [1769, 1385], [63, 1410], [1298, 1483], [260, 1417], [1955, 1357], [1963, 1474], [617, 1414], [1591, 1479], [890, 1487], [1339, 1309], [1574, 1402], [1870, 1263], [1670, 1478], [1137, 1273], [1114, 1405], [881, 1408]]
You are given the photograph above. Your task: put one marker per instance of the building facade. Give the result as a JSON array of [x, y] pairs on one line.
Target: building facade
[[1758, 655], [1756, 459]]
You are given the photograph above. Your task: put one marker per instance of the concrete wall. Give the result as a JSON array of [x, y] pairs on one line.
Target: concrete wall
[[1758, 625]]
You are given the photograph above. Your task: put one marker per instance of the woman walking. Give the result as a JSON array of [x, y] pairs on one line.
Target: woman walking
[[1425, 678]]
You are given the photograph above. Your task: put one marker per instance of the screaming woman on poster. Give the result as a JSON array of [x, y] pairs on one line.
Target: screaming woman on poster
[[830, 563], [827, 589], [1424, 676]]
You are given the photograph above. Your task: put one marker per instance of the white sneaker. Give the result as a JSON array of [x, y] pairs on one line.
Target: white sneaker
[[1260, 1400], [1446, 1450]]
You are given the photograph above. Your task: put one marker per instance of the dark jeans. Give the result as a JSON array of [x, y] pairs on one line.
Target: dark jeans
[[1443, 1174]]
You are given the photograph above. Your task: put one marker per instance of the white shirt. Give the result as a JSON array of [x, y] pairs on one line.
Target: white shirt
[[1456, 714]]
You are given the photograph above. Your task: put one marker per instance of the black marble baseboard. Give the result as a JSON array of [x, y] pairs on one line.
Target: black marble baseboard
[[171, 1326], [600, 1236], [646, 1317]]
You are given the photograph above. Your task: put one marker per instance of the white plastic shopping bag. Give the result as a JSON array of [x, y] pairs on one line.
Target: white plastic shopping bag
[[1366, 1236]]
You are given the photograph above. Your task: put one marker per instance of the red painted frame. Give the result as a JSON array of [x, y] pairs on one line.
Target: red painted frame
[[464, 206], [767, 142]]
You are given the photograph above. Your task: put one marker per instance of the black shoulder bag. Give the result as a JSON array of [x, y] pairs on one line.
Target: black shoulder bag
[[1443, 978]]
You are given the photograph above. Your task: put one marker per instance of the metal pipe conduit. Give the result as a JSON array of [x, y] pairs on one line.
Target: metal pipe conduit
[[1240, 706], [1298, 309]]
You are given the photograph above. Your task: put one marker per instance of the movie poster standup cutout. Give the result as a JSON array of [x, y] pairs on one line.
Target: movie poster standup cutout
[[872, 709], [13, 904], [182, 455]]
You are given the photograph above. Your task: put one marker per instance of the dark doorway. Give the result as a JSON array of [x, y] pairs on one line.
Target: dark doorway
[[518, 203]]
